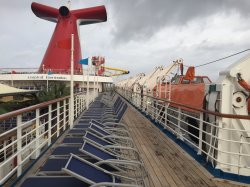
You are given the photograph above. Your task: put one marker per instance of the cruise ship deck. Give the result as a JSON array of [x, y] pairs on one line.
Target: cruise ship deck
[[166, 163]]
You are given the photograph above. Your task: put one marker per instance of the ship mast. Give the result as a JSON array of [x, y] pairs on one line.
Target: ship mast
[[69, 4]]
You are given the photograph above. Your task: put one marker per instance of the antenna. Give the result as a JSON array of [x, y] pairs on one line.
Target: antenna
[[69, 4]]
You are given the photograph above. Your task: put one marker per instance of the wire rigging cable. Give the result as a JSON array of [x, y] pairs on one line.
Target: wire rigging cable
[[223, 58]]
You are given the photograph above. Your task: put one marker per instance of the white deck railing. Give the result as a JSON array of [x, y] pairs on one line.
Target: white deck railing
[[226, 148], [25, 133]]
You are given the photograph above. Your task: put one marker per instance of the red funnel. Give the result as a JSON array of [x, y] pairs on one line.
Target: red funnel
[[57, 56]]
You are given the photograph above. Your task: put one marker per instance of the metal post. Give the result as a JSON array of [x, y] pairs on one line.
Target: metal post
[[200, 133], [37, 132], [146, 106], [64, 114], [97, 89], [71, 111], [49, 124], [166, 115], [19, 145], [47, 82], [80, 104], [94, 83], [179, 123], [12, 84], [4, 145], [58, 119], [77, 105], [87, 96], [83, 79]]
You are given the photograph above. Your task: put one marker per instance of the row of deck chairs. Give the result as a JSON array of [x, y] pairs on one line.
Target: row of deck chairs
[[98, 151]]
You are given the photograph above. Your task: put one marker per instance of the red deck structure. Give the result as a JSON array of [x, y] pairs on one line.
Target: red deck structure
[[57, 56]]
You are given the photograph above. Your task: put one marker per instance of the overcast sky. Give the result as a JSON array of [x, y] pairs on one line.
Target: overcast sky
[[139, 34]]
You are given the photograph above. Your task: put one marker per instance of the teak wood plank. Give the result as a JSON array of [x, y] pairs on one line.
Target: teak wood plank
[[153, 149], [159, 165], [148, 164], [166, 162], [172, 179]]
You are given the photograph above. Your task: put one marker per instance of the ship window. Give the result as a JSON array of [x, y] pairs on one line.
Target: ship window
[[184, 81], [206, 80], [197, 80], [175, 80]]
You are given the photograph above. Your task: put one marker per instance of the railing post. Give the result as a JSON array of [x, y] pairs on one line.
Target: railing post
[[19, 145], [4, 145], [156, 110], [77, 107], [166, 114], [49, 124], [71, 112], [200, 133], [146, 105], [37, 132], [179, 136], [81, 103], [86, 101], [13, 145], [64, 114], [58, 119]]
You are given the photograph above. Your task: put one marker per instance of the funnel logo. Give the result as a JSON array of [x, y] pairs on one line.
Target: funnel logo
[[57, 55]]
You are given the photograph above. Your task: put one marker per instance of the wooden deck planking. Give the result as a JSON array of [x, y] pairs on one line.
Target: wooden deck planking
[[179, 161], [167, 164], [175, 164], [156, 153]]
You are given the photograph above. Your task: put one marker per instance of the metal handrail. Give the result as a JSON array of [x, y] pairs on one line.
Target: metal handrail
[[223, 139], [218, 114], [26, 139]]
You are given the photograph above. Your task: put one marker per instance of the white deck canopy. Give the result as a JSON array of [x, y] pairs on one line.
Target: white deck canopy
[[8, 90]]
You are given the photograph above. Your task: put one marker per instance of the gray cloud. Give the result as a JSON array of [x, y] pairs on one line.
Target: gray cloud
[[149, 33], [141, 19]]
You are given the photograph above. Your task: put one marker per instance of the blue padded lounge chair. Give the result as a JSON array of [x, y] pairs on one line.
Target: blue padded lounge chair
[[100, 140], [112, 128], [72, 140], [98, 113], [64, 150], [53, 181], [114, 161], [103, 141], [120, 152], [103, 132], [109, 125], [53, 164], [104, 109], [106, 118], [76, 131], [95, 175], [103, 113]]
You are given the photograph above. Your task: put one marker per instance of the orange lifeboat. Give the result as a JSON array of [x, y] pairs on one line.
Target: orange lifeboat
[[184, 91], [188, 90]]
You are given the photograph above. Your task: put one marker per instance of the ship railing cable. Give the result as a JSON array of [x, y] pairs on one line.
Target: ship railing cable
[[229, 56]]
